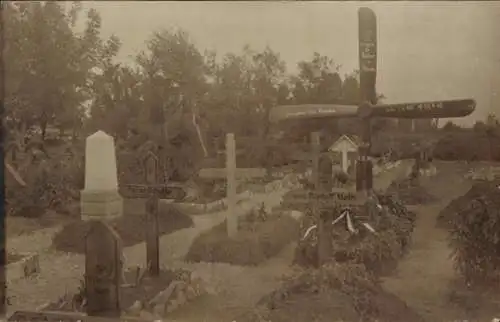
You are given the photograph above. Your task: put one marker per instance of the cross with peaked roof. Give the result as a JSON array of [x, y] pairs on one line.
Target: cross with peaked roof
[[368, 108]]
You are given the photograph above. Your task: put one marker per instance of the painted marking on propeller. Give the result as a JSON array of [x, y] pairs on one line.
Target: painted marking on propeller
[[284, 112], [428, 106]]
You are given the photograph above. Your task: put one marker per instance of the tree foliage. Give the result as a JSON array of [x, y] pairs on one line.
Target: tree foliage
[[62, 85]]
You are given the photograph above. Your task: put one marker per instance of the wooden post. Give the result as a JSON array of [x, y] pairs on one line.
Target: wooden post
[[315, 148], [323, 234], [103, 267], [231, 217], [152, 231]]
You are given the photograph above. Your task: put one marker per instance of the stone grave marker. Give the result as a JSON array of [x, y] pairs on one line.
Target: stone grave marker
[[100, 198], [103, 270]]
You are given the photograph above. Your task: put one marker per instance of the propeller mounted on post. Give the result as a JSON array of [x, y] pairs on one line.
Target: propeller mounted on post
[[369, 107]]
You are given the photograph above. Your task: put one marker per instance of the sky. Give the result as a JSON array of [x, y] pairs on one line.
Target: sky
[[426, 50]]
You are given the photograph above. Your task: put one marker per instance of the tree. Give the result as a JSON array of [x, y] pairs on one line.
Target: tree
[[320, 80], [49, 65], [174, 88]]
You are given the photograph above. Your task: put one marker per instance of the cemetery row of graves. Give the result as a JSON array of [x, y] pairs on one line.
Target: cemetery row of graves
[[342, 248], [346, 236], [108, 290]]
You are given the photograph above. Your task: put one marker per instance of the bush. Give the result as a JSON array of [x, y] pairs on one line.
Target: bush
[[258, 238], [468, 145], [475, 237], [448, 215], [51, 183]]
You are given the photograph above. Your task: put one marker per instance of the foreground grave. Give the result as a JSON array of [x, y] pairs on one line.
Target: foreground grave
[[335, 292], [107, 290], [260, 236]]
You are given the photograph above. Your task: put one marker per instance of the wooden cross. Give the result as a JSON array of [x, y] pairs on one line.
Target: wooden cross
[[365, 111], [231, 173], [152, 191], [323, 201], [368, 108]]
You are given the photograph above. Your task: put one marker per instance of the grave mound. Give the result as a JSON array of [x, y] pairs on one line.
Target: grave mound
[[335, 292], [130, 227], [379, 251], [260, 236], [410, 192], [448, 215]]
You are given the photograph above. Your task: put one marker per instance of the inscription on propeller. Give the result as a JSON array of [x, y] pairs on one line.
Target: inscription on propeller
[[416, 107], [312, 112]]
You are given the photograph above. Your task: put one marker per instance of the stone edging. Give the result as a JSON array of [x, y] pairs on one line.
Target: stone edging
[[24, 268], [182, 290], [178, 293]]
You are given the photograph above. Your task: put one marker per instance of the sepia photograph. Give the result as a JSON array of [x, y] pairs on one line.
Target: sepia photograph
[[250, 161]]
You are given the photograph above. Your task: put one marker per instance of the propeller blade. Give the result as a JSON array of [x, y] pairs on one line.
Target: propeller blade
[[311, 111], [367, 54], [423, 110]]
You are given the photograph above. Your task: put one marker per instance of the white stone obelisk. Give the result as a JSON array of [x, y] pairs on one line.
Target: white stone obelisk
[[100, 198]]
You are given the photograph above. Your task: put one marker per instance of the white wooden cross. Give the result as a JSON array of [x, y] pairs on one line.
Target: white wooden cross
[[231, 173]]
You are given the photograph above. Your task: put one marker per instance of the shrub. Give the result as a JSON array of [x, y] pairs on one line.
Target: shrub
[[475, 237], [51, 183], [468, 145]]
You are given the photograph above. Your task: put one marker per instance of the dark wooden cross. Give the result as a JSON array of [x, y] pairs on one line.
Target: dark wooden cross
[[368, 108], [152, 191], [366, 111]]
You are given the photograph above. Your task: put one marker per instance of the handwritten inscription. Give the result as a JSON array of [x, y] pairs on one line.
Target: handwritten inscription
[[324, 198], [430, 106], [334, 195], [148, 189], [313, 112], [368, 55]]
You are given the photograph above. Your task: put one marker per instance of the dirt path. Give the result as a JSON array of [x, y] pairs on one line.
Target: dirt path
[[424, 275]]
